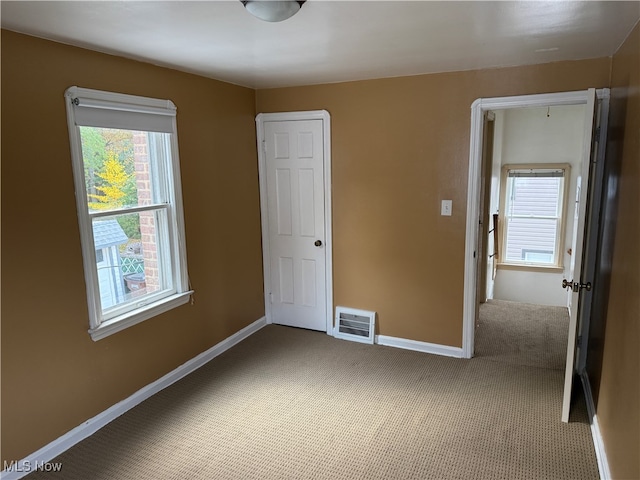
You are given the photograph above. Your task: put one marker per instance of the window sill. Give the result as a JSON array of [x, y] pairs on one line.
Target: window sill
[[140, 315], [530, 268]]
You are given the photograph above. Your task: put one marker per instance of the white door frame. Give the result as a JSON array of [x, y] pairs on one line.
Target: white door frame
[[592, 236], [323, 115], [478, 108]]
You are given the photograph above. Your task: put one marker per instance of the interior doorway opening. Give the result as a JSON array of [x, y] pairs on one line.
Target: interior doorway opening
[[531, 170], [585, 218]]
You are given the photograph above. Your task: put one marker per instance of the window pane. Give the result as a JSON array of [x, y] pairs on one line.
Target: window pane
[[130, 253], [531, 240], [121, 167], [536, 196]]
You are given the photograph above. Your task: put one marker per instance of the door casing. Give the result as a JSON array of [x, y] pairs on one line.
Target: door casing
[[478, 109], [261, 119]]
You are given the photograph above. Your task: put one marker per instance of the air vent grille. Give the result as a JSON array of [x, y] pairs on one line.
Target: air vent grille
[[355, 325]]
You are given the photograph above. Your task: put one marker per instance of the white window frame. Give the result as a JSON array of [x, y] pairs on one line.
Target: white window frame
[[116, 110], [542, 168]]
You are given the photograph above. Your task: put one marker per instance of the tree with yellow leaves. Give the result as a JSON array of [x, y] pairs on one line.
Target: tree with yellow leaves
[[113, 190]]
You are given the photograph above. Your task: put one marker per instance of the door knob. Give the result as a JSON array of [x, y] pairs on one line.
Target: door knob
[[318, 243], [575, 286]]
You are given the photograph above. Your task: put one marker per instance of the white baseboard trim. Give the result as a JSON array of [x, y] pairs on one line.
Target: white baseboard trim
[[424, 347], [598, 443], [42, 457]]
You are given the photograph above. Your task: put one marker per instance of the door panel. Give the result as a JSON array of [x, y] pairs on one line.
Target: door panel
[[295, 202], [309, 287], [285, 272], [575, 270], [307, 202], [283, 201]]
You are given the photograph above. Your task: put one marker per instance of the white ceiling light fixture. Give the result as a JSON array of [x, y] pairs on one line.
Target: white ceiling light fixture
[[272, 10]]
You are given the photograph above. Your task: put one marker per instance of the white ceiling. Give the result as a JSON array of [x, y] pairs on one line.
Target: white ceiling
[[331, 41]]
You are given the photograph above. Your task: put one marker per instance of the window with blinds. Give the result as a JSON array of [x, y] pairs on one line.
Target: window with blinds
[[533, 206]]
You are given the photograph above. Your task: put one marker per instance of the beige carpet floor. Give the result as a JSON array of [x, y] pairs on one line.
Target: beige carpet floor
[[294, 404], [523, 334]]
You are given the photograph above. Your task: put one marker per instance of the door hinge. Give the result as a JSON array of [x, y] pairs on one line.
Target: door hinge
[[270, 297], [596, 141], [579, 341], [264, 146]]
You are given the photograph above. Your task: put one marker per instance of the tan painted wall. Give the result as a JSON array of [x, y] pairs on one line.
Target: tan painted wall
[[619, 395], [400, 146], [54, 376]]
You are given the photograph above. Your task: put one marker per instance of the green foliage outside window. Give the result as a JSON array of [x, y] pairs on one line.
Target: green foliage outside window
[[110, 173]]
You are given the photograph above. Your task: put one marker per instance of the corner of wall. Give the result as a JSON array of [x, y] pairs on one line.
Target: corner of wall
[[256, 92]]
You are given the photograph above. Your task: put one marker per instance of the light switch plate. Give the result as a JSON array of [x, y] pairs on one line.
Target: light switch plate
[[447, 206]]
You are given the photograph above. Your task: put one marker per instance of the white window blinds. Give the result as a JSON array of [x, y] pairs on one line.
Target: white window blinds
[[95, 109]]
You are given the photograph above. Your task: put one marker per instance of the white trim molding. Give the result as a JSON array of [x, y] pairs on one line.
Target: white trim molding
[[43, 456], [323, 115], [144, 313], [598, 443], [478, 108], [424, 347]]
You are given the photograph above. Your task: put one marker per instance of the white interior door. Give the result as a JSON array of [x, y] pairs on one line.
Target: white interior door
[[575, 279], [294, 157]]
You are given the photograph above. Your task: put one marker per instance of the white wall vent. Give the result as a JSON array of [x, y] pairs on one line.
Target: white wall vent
[[355, 325]]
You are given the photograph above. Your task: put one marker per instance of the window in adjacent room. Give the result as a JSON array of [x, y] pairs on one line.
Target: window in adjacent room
[[533, 211], [127, 179]]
